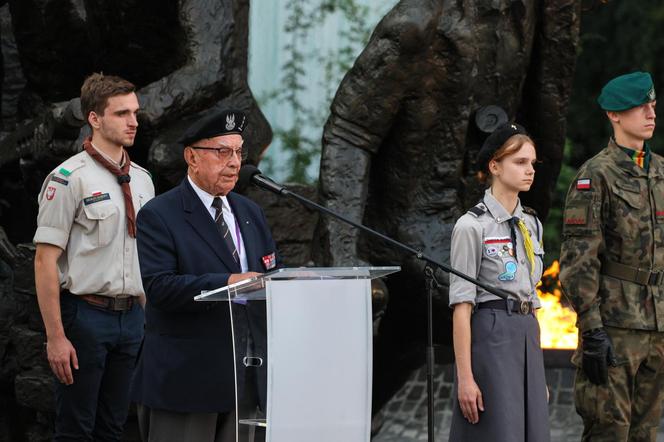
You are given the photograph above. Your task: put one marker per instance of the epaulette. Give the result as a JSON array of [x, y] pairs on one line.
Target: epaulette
[[533, 212], [477, 210], [68, 167], [529, 211], [136, 166]]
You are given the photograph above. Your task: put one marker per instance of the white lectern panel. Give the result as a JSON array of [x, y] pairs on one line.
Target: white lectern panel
[[319, 334]]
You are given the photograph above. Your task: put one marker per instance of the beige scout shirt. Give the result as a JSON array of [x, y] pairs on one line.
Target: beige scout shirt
[[482, 248], [81, 210]]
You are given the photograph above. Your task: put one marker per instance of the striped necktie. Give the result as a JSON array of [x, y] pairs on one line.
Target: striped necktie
[[223, 228]]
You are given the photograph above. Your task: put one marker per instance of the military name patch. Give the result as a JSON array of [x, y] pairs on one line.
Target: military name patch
[[576, 216], [583, 184], [96, 198], [57, 179]]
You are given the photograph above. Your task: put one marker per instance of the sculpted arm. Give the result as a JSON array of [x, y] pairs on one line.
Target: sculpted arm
[[362, 113], [210, 37], [548, 89]]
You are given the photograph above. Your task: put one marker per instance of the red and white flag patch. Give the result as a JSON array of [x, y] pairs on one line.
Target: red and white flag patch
[[269, 261], [583, 184]]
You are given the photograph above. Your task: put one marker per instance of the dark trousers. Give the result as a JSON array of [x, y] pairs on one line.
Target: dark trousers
[[171, 426], [628, 408], [95, 406]]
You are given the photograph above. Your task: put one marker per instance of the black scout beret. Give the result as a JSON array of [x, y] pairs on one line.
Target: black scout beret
[[494, 141], [220, 123]]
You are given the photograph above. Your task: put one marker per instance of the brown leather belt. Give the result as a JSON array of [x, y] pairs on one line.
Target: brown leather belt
[[106, 302], [632, 274]]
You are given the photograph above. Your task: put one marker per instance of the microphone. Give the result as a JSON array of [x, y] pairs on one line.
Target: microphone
[[252, 174]]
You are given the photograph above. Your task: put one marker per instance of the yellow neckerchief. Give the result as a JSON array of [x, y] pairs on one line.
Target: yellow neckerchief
[[527, 241]]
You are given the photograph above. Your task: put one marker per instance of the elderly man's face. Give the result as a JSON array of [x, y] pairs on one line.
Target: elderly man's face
[[209, 169]]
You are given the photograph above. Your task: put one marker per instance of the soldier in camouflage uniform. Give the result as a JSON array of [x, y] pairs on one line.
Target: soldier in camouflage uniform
[[612, 268]]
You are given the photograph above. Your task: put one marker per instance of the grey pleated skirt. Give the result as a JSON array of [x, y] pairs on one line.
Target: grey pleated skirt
[[508, 367]]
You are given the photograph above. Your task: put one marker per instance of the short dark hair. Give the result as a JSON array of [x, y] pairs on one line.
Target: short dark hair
[[98, 88]]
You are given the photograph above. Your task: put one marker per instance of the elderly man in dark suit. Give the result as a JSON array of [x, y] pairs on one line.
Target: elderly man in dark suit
[[197, 236]]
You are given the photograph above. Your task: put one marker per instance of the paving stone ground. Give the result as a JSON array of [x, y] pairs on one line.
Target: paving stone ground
[[405, 416]]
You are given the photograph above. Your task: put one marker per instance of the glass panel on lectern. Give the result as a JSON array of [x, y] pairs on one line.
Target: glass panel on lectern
[[250, 341], [248, 307]]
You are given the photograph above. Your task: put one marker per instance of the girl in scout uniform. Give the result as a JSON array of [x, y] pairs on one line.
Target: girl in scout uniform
[[500, 381]]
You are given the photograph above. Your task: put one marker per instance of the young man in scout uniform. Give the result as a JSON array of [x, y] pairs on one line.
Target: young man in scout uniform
[[612, 264], [86, 267]]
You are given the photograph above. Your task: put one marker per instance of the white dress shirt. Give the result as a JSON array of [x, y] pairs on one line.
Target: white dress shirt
[[229, 219]]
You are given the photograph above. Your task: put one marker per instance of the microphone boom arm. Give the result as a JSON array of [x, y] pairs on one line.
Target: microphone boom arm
[[421, 256]]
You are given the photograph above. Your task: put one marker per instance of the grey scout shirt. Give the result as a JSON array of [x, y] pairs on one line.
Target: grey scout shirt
[[482, 247]]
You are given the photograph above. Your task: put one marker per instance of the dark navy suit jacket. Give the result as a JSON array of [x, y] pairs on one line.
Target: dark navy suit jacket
[[186, 363]]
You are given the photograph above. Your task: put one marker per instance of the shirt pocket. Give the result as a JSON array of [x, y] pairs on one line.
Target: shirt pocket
[[539, 265], [581, 216], [629, 195], [103, 223], [139, 201], [658, 197]]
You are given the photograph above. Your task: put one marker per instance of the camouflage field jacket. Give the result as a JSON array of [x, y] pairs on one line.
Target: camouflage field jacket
[[612, 255]]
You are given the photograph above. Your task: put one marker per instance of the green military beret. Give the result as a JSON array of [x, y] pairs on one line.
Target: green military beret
[[627, 91]]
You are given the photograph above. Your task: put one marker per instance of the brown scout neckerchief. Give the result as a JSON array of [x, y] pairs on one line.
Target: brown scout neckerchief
[[122, 174]]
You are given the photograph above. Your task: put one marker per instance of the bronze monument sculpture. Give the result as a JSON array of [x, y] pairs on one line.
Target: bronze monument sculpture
[[400, 144]]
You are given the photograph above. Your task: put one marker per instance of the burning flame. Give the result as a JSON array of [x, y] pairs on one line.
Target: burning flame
[[557, 322]]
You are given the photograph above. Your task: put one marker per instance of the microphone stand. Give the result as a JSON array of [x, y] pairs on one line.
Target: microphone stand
[[432, 284], [430, 278]]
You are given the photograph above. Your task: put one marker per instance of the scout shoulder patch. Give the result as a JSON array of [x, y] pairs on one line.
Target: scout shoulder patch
[[96, 197], [50, 193], [576, 215], [583, 184], [57, 179]]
